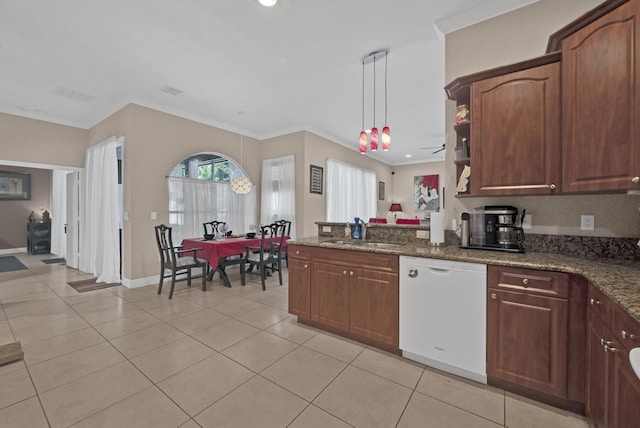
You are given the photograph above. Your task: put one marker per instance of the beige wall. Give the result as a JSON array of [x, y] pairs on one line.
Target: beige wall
[[36, 141], [403, 186], [510, 38], [15, 214], [154, 142]]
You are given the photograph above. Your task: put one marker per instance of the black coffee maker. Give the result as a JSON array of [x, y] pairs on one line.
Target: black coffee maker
[[496, 227]]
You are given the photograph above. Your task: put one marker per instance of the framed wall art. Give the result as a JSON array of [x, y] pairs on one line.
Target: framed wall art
[[381, 194], [15, 185], [315, 184], [425, 191]]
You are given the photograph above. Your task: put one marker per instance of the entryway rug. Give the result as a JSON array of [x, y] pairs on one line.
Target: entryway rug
[[57, 260], [10, 263], [90, 285]]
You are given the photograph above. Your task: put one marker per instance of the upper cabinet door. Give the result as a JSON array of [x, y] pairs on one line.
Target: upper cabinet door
[[601, 103], [515, 133]]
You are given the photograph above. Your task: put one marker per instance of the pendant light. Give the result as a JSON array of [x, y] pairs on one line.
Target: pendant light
[[376, 137], [386, 133], [241, 185]]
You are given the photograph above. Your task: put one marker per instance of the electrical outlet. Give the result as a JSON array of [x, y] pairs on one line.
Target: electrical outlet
[[587, 222], [527, 221], [154, 215], [422, 234]]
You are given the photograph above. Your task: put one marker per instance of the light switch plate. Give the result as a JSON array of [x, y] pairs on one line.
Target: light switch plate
[[587, 222], [154, 215]]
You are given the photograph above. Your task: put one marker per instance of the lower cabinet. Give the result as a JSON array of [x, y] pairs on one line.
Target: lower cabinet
[[352, 293], [613, 389], [299, 268], [535, 334]]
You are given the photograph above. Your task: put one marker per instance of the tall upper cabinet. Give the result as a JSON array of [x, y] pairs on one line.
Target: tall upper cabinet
[[601, 103], [566, 122]]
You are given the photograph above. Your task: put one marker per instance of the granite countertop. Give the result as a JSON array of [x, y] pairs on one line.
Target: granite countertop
[[618, 279]]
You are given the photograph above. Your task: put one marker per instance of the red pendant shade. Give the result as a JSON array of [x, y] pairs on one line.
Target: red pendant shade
[[362, 143], [386, 139], [374, 139]]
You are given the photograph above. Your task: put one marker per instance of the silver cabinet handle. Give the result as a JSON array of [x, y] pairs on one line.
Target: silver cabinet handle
[[344, 272], [635, 180], [493, 296], [552, 186], [297, 252], [306, 266], [626, 335], [606, 342], [595, 302], [608, 348], [525, 281], [351, 273]]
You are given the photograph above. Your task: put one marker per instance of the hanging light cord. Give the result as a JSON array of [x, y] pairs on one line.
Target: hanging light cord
[[386, 62], [374, 91], [363, 94]]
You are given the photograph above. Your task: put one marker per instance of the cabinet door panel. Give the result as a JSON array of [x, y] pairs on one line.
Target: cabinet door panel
[[601, 103], [373, 302], [299, 288], [597, 371], [516, 133], [330, 295], [527, 340]]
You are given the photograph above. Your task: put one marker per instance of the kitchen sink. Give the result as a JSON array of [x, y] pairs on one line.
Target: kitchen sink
[[367, 244]]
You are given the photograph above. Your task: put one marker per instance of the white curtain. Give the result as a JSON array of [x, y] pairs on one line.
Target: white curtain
[[58, 213], [351, 192], [99, 216], [193, 202], [278, 200]]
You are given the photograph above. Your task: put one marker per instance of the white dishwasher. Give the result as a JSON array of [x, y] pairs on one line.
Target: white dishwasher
[[443, 315]]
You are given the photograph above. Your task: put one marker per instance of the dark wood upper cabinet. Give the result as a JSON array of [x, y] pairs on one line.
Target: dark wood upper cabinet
[[537, 131], [601, 103], [515, 147]]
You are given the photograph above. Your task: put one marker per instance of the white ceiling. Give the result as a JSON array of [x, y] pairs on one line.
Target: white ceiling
[[240, 66]]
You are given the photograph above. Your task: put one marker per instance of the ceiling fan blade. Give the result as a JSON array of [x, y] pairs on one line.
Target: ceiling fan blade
[[438, 151], [440, 148]]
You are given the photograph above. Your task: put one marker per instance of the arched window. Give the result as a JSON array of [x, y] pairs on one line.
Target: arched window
[[200, 191]]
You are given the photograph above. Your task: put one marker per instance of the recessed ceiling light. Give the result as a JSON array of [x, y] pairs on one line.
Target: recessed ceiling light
[[268, 3], [407, 156]]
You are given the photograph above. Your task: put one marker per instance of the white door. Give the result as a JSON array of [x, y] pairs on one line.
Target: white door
[[72, 226]]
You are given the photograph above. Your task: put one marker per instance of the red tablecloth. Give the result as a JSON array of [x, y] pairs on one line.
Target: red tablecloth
[[221, 247]]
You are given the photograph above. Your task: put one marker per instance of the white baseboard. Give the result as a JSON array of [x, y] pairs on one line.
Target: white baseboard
[[13, 250], [141, 282]]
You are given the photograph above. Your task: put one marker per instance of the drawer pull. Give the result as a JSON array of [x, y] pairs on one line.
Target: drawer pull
[[351, 273], [344, 272], [608, 348], [306, 266], [297, 252], [525, 281], [595, 302], [626, 335], [605, 342], [493, 296]]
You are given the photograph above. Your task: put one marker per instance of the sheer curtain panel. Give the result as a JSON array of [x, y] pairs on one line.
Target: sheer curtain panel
[[193, 202], [351, 192], [99, 216], [278, 200]]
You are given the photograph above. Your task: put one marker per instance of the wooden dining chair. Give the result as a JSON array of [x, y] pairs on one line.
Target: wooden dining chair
[[213, 228], [176, 260], [267, 257], [284, 253]]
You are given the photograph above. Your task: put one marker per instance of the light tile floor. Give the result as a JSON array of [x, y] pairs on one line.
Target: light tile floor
[[227, 357]]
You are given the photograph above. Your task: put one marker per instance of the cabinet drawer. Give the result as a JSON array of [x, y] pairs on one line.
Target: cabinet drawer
[[600, 304], [626, 328], [362, 259], [532, 281], [299, 252]]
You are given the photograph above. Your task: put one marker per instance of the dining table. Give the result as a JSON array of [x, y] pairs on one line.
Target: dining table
[[219, 250]]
